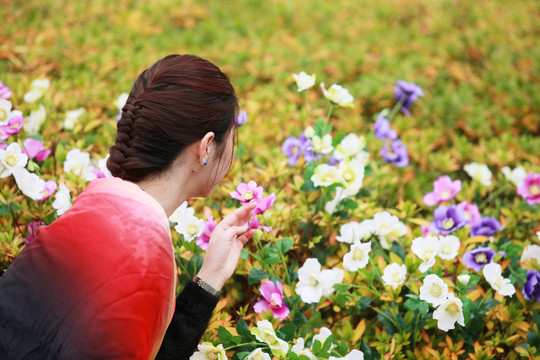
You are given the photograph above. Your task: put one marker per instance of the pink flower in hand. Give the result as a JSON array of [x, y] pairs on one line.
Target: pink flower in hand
[[444, 189], [34, 149], [247, 192], [529, 188], [272, 299], [209, 226], [264, 203], [254, 224]]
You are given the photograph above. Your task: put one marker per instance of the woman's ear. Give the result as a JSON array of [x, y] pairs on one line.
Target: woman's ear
[[207, 146]]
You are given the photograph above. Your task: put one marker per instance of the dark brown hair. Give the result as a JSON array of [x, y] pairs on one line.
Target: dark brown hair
[[172, 104]]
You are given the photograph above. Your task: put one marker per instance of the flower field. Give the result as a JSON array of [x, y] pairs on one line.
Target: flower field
[[392, 147]]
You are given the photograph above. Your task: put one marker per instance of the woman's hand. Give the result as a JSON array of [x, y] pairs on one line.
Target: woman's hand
[[225, 245]]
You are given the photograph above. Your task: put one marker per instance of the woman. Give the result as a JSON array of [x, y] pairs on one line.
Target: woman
[[99, 282]]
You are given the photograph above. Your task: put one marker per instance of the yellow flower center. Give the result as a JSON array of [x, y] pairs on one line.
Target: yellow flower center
[[258, 356], [453, 309], [11, 160], [270, 339], [448, 223], [445, 194], [348, 175], [480, 258], [248, 195], [313, 280], [428, 253], [358, 254], [534, 189], [446, 249], [435, 290], [498, 282], [212, 355], [192, 229], [329, 178], [396, 277], [3, 114], [273, 303]]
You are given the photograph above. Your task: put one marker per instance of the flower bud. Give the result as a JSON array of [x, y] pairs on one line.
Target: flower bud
[[309, 132], [464, 279]]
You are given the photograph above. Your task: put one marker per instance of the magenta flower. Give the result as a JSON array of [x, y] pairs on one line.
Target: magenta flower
[[13, 126], [444, 189], [5, 92], [247, 192], [273, 299], [34, 149], [472, 214], [209, 226], [48, 190], [253, 223], [32, 230], [529, 188], [264, 203]]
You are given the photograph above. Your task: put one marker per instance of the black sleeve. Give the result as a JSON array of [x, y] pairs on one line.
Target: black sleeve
[[194, 307]]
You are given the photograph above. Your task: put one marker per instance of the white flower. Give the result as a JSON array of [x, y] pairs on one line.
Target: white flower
[[394, 275], [314, 283], [121, 100], [362, 156], [207, 351], [12, 158], [464, 279], [258, 354], [325, 175], [493, 274], [387, 227], [37, 89], [357, 257], [538, 235], [349, 147], [265, 333], [434, 290], [449, 247], [309, 132], [5, 111], [479, 172], [352, 231], [426, 249], [352, 175], [353, 355], [531, 252], [299, 349], [62, 200], [32, 122], [71, 118], [448, 312], [338, 276], [338, 95], [331, 205], [516, 176], [102, 166], [190, 227], [323, 334], [30, 184], [304, 81], [322, 145], [78, 162], [182, 210]]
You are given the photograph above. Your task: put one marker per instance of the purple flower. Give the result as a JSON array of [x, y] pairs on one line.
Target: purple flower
[[408, 93], [241, 118], [5, 93], [272, 299], [264, 203], [50, 188], [476, 259], [32, 230], [447, 220], [486, 226], [529, 188], [294, 147], [34, 149], [382, 128], [444, 189], [531, 288], [119, 116], [13, 126], [395, 153], [247, 192], [471, 211], [209, 226]]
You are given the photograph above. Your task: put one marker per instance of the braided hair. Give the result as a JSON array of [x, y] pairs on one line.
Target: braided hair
[[172, 105]]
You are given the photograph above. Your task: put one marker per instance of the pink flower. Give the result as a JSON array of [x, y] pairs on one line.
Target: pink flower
[[13, 126], [264, 203], [444, 189], [48, 190], [34, 149], [209, 226], [471, 211], [5, 92], [32, 231], [254, 224], [273, 299], [247, 192], [529, 188]]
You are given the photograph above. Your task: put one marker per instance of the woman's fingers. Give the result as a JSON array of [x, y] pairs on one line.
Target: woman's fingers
[[246, 236], [240, 215]]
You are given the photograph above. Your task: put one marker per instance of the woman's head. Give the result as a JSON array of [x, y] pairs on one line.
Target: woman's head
[[174, 103]]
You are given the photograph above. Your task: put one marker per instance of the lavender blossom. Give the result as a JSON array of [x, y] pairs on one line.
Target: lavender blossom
[[408, 93], [531, 288], [447, 219], [294, 147], [5, 92], [395, 153], [476, 259], [241, 118], [382, 128], [486, 226]]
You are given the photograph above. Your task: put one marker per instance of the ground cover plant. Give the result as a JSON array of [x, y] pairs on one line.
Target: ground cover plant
[[392, 149]]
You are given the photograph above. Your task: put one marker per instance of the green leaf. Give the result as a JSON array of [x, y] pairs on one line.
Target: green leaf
[[285, 244], [256, 275], [4, 209], [398, 250], [468, 305], [414, 303], [244, 254], [533, 339], [288, 330], [226, 338], [243, 330]]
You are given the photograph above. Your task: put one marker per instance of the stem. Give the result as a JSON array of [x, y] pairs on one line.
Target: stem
[[304, 111], [249, 343], [493, 195], [328, 116], [396, 108], [392, 320]]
